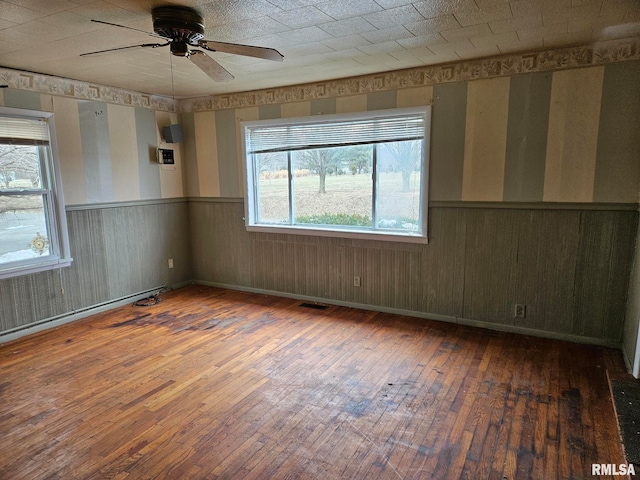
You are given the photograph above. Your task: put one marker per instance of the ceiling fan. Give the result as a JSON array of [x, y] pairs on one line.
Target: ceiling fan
[[182, 28]]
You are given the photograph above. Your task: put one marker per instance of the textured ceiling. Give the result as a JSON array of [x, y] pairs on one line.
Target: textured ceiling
[[319, 39]]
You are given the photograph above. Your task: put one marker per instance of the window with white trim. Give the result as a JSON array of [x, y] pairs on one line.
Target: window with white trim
[[33, 232], [358, 175]]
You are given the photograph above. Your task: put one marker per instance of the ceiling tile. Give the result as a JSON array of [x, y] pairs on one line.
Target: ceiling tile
[[320, 38], [302, 49], [394, 16], [553, 13], [341, 9], [349, 41], [443, 48], [292, 4], [348, 26], [71, 23], [376, 59], [473, 53], [566, 38], [521, 45], [466, 32], [340, 54], [48, 7], [301, 17], [243, 29], [17, 14], [107, 13], [516, 23], [24, 34], [422, 40], [482, 4], [442, 57], [273, 41], [393, 33], [439, 8], [540, 33], [8, 46], [305, 35], [474, 16], [386, 47], [494, 40], [433, 25], [229, 11], [393, 3], [527, 8], [6, 24]]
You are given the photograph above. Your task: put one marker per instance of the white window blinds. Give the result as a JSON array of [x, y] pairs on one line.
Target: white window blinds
[[23, 131], [326, 134]]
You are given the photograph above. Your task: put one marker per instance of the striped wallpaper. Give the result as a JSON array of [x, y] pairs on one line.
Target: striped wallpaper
[[563, 136], [107, 152]]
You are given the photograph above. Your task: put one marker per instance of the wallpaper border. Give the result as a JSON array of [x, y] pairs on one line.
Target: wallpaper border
[[601, 53], [65, 87], [596, 54]]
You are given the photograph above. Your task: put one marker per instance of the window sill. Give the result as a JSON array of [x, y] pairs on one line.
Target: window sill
[[339, 233], [44, 266]]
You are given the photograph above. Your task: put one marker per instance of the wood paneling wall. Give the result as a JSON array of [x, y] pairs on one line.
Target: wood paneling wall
[[117, 251], [631, 335], [569, 267]]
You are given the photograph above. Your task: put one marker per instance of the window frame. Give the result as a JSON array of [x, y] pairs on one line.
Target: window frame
[[53, 202], [250, 177]]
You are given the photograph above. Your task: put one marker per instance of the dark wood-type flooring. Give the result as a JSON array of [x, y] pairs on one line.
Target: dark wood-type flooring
[[216, 384]]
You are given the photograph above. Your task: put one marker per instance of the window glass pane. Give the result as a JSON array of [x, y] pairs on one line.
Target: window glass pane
[[398, 194], [356, 174], [23, 228], [19, 167], [272, 188], [333, 186]]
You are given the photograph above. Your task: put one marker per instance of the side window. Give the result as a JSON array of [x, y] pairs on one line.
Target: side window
[[33, 234]]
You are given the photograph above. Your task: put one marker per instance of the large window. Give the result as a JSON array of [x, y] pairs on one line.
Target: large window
[[358, 175], [33, 234]]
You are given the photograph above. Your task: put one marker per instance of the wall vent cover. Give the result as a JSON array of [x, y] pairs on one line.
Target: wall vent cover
[[315, 306]]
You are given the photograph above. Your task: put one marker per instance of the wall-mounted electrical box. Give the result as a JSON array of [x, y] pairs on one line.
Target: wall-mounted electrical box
[[165, 156]]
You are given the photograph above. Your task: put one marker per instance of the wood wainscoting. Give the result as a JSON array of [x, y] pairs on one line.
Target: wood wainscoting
[[213, 384]]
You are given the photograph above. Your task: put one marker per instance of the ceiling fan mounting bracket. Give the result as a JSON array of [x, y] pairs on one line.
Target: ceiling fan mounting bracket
[[181, 24]]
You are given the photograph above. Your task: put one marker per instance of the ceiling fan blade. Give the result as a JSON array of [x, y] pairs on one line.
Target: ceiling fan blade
[[129, 28], [209, 66], [152, 45], [246, 50]]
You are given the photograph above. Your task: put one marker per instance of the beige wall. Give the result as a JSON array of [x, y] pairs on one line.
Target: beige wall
[[565, 116], [107, 151]]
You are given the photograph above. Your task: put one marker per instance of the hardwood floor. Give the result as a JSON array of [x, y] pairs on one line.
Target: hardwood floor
[[216, 384]]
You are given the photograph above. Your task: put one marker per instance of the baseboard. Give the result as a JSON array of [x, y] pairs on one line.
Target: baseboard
[[428, 316], [629, 364], [52, 322]]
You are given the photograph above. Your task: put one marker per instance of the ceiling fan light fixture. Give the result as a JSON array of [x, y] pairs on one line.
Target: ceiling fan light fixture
[[179, 49]]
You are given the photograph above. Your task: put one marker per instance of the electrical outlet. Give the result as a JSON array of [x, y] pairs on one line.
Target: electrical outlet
[[356, 281], [171, 263], [520, 311]]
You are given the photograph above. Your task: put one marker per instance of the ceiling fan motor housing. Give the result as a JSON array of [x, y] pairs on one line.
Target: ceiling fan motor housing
[[181, 24]]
